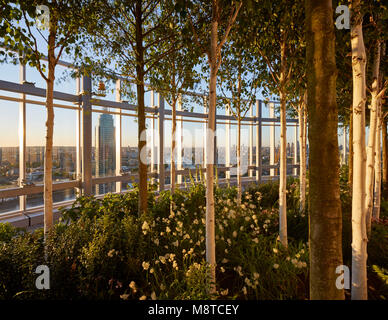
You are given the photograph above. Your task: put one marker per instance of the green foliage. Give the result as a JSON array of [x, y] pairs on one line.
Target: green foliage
[[102, 249], [7, 232], [19, 257]]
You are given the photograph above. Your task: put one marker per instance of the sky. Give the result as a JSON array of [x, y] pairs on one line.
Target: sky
[[65, 119]]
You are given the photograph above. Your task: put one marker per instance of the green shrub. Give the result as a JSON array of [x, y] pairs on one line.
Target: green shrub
[[102, 249]]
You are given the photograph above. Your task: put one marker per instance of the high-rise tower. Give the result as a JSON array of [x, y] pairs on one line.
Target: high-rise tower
[[105, 150]]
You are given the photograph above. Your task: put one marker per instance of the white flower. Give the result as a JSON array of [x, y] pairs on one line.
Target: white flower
[[168, 230], [256, 276], [132, 285], [234, 234], [224, 292], [276, 266], [162, 259], [145, 265], [142, 298], [145, 226], [244, 290], [248, 282], [153, 295], [255, 240], [222, 269], [275, 250], [124, 296]]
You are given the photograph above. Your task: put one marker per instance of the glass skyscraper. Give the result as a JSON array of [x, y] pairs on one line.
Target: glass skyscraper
[[105, 150]]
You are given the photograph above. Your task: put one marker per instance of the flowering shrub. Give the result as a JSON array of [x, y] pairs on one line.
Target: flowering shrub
[[103, 250]]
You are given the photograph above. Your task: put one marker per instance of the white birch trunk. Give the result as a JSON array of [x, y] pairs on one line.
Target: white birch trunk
[[210, 216], [239, 185], [373, 132], [377, 191], [283, 155], [302, 153], [48, 160], [359, 235]]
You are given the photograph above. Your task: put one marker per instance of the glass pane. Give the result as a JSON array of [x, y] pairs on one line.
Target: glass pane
[[9, 152]]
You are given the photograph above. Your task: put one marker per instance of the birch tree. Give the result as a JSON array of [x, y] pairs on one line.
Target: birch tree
[[300, 106], [377, 90], [126, 36], [325, 218], [277, 43], [377, 176], [359, 232], [60, 34], [207, 20], [238, 78], [373, 133], [174, 74]]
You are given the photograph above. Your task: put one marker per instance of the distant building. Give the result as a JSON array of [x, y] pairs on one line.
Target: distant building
[[105, 152]]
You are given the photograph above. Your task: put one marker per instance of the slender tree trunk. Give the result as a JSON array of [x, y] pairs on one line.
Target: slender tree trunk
[[370, 159], [239, 186], [48, 159], [325, 218], [377, 191], [350, 162], [302, 153], [283, 151], [210, 216], [385, 158], [173, 147], [372, 144], [142, 143], [359, 241]]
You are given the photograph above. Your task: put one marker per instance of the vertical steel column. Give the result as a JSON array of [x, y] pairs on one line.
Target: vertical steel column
[[86, 136], [179, 137], [250, 161], [22, 139], [272, 139], [118, 136], [295, 159], [258, 142], [78, 148], [161, 173], [227, 143]]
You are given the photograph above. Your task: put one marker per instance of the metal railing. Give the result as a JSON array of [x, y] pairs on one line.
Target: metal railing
[[82, 102]]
